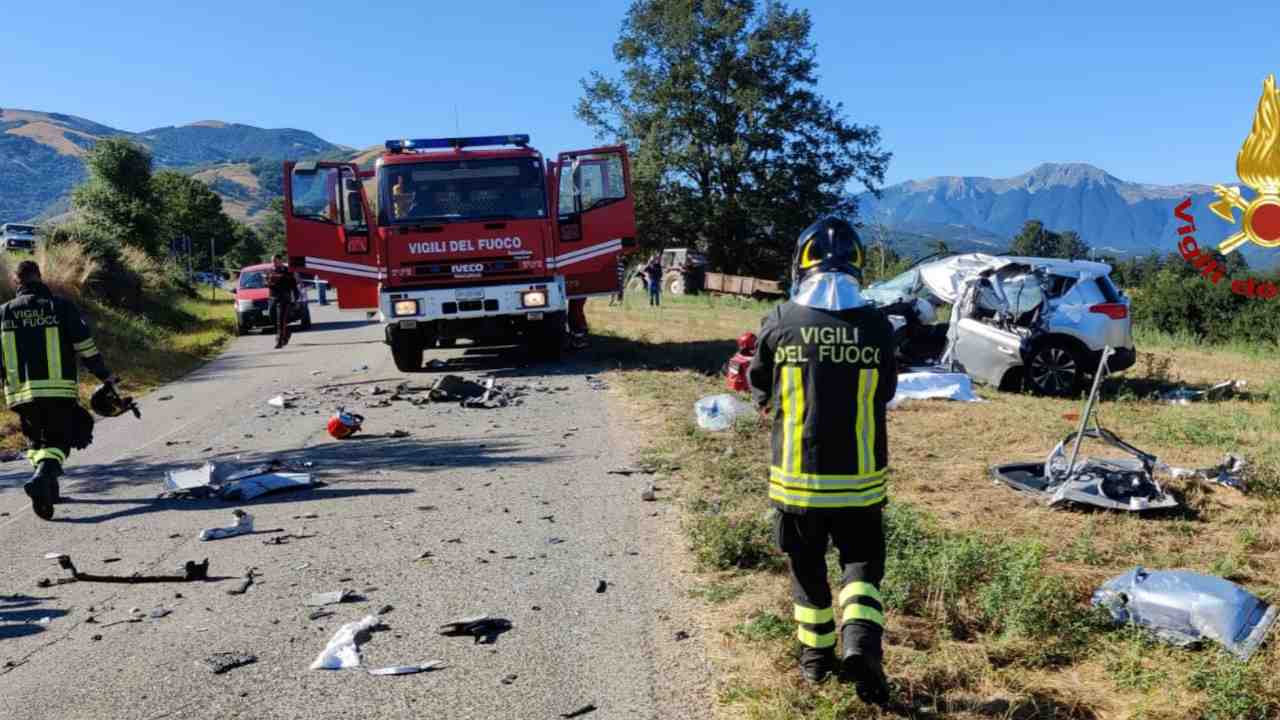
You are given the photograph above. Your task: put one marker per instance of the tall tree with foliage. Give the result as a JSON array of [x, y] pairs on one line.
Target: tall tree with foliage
[[271, 229], [734, 151], [188, 208], [246, 250], [117, 202], [1035, 240]]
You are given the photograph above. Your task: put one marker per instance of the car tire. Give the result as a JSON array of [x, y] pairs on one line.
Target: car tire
[[1054, 368], [407, 350], [306, 318], [241, 329]]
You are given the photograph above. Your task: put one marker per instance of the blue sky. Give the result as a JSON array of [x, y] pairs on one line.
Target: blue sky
[[1152, 92]]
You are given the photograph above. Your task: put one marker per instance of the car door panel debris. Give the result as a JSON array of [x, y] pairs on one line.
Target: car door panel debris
[[1185, 608], [343, 650]]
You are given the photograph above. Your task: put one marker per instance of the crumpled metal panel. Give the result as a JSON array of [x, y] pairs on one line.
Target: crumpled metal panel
[[1185, 608]]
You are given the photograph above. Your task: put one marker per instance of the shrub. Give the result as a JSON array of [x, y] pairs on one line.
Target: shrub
[[724, 543]]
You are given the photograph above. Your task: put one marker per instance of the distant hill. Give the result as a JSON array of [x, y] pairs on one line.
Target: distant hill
[[41, 159], [1114, 216]]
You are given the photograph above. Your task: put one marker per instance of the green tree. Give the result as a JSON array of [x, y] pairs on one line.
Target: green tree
[[188, 208], [246, 250], [734, 151], [1035, 240], [271, 230], [116, 201]]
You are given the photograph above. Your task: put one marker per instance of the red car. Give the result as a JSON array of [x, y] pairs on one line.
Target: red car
[[256, 309]]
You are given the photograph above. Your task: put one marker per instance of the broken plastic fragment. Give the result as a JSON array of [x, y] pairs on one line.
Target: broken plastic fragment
[[343, 650], [243, 526], [219, 663], [408, 669], [328, 598], [277, 402], [1183, 608], [719, 412]]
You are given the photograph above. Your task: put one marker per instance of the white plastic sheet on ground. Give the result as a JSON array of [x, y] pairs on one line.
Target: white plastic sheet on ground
[[1183, 608], [934, 386], [343, 650], [719, 412]]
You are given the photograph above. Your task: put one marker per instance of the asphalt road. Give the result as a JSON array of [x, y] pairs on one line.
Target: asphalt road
[[514, 506]]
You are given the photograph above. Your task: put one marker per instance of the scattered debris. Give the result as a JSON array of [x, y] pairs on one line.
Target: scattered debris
[[409, 669], [682, 635], [399, 434], [555, 541], [1117, 484], [360, 368], [243, 586], [453, 388], [649, 493], [163, 398], [593, 382], [307, 516], [1183, 608], [934, 386], [219, 663], [212, 480], [279, 402], [329, 598], [719, 412], [108, 561], [602, 586], [191, 571], [1213, 393], [1231, 472], [484, 629], [509, 679], [579, 712], [343, 650], [158, 613], [243, 526]]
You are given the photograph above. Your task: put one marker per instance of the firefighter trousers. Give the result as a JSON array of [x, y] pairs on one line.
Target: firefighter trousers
[[283, 310], [50, 427], [858, 536]]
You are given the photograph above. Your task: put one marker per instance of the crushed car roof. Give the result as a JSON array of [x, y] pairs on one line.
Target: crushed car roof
[[946, 276]]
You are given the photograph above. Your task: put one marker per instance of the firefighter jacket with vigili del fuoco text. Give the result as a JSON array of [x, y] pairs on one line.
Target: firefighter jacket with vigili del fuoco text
[[41, 336], [830, 375]]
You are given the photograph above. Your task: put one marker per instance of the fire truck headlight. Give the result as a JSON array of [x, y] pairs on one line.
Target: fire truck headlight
[[401, 308], [533, 298]]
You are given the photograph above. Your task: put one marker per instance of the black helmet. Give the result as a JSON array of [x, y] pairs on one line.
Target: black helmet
[[829, 245], [108, 403]]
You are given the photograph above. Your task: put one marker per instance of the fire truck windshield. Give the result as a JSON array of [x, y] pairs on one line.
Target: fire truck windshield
[[449, 191]]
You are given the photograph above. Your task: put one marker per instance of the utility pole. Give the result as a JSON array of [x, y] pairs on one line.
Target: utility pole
[[213, 272]]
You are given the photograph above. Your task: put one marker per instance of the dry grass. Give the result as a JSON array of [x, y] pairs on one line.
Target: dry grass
[[172, 335], [946, 662]]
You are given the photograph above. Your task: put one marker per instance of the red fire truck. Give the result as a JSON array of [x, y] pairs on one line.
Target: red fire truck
[[477, 237]]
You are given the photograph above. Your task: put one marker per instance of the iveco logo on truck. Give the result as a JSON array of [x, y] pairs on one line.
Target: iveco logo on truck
[[471, 269]]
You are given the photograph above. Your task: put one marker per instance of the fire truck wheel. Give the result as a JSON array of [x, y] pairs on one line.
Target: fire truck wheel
[[406, 350]]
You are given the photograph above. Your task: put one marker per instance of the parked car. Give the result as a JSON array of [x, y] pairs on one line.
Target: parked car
[[1036, 322], [254, 306], [17, 236]]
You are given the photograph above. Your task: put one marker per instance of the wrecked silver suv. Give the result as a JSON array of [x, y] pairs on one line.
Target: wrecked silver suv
[[1037, 322]]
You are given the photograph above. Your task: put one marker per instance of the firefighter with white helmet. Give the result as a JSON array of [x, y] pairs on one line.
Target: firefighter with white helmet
[[825, 362]]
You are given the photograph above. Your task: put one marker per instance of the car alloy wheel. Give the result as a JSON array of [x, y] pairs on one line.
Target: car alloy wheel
[[1054, 370]]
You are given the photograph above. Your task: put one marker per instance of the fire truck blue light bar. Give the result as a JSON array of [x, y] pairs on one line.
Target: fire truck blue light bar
[[457, 143]]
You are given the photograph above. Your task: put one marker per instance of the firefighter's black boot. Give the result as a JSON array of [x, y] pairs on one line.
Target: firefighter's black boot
[[42, 488], [866, 672], [817, 664]]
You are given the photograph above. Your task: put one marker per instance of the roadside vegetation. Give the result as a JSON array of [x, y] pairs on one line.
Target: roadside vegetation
[[124, 260], [987, 591]]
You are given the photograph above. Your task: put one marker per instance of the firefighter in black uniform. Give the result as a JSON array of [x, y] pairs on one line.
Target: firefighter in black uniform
[[41, 336], [284, 287], [826, 363]]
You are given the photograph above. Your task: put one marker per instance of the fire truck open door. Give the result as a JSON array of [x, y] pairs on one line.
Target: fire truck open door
[[328, 232], [597, 219]]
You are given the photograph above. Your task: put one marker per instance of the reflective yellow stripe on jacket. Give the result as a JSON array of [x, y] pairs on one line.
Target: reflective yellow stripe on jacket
[[792, 418], [865, 419]]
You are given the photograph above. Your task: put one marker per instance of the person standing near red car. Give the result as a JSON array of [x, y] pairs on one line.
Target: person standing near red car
[[284, 287]]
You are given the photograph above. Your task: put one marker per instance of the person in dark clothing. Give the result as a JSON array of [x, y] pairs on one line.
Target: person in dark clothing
[[284, 288], [653, 277], [825, 361], [616, 299], [41, 336]]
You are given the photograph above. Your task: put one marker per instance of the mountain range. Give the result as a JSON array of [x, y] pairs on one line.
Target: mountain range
[[41, 160], [1114, 216]]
